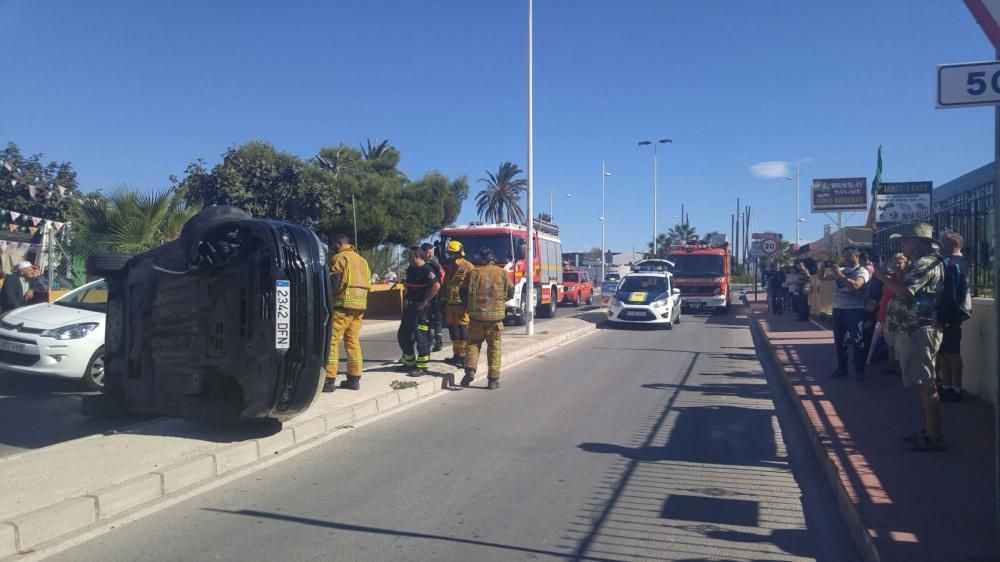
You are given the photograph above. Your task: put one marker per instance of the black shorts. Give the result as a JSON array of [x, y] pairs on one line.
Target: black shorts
[[951, 342]]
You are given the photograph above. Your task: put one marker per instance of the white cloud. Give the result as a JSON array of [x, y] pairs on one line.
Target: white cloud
[[773, 169]]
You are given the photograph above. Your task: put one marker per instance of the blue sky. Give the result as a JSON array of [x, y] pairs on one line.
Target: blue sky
[[132, 92]]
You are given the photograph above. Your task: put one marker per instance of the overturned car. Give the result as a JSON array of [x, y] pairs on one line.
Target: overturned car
[[229, 323]]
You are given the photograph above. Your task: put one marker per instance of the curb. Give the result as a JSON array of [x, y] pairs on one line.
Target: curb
[[28, 532], [862, 541]]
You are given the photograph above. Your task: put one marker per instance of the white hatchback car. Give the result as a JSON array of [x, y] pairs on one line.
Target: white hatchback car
[[646, 296], [64, 338]]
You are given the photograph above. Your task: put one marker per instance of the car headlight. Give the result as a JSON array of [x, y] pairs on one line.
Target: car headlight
[[615, 301], [661, 302], [71, 332]]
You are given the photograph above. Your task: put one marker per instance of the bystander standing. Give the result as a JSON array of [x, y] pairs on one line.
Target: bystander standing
[[913, 321], [849, 312], [949, 361]]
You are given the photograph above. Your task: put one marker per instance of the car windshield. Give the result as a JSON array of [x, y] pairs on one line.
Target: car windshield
[[698, 265], [92, 296], [499, 243], [643, 283], [571, 276]]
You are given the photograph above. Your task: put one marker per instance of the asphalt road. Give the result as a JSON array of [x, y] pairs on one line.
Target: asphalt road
[[36, 412], [623, 445]]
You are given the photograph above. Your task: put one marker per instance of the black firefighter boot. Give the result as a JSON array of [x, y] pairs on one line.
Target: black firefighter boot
[[448, 381], [351, 383], [470, 374], [329, 385], [493, 384], [438, 342]]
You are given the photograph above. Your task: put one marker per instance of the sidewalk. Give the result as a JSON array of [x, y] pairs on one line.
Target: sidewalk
[[66, 488], [912, 506]]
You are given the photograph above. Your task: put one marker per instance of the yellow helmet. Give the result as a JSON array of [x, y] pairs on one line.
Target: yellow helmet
[[455, 247]]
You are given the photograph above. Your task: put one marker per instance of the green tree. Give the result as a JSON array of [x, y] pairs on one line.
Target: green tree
[[20, 176], [129, 222], [682, 232], [500, 201], [265, 182]]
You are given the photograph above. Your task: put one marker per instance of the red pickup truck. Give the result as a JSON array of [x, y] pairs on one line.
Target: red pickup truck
[[579, 287]]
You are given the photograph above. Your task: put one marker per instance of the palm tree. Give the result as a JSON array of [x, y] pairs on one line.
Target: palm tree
[[371, 151], [128, 222], [662, 245], [682, 232], [500, 201]]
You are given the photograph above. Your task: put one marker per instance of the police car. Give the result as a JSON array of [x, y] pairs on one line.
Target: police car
[[646, 296]]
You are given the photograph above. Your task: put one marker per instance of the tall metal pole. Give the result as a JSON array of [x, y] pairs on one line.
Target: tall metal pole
[[798, 239], [529, 264], [355, 209], [604, 252], [996, 298], [654, 198], [552, 208]]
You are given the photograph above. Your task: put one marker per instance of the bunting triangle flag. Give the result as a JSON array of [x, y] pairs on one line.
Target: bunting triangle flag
[[13, 215], [34, 230], [13, 183], [62, 190], [8, 166], [12, 228], [32, 190], [58, 225], [36, 220]]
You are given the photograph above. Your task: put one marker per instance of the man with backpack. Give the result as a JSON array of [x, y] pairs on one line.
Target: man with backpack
[[955, 308], [915, 324]]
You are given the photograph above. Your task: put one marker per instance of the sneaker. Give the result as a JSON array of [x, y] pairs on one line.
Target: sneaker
[[925, 444], [493, 384], [950, 395], [330, 385], [838, 374]]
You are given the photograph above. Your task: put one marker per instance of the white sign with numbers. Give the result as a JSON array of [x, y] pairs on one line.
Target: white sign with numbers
[[968, 84]]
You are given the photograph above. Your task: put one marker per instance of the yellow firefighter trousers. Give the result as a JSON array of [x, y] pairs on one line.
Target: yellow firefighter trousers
[[458, 327], [347, 327], [491, 332]]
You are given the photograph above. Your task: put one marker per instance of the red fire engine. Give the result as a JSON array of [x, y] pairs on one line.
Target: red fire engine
[[508, 242], [702, 273]]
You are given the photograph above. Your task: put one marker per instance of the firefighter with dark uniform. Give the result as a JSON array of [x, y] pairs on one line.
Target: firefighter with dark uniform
[[456, 270], [488, 290], [436, 313], [422, 285], [350, 281]]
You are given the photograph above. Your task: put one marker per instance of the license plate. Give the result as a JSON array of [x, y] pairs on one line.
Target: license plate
[[11, 346], [282, 314], [635, 314]]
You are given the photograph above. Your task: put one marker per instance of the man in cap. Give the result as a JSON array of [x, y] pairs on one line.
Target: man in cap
[[456, 313], [16, 291], [488, 292], [350, 278], [913, 321], [849, 312]]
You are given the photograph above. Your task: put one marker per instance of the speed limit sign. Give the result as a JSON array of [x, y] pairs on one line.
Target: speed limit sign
[[769, 246]]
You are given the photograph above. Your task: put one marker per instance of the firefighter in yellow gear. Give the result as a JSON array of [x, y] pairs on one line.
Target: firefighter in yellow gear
[[351, 279], [456, 313], [488, 289]]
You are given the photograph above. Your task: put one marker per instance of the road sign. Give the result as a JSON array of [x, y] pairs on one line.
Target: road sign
[[987, 14], [769, 246], [968, 84]]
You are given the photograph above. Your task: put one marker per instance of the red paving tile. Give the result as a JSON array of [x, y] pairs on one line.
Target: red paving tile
[[916, 506]]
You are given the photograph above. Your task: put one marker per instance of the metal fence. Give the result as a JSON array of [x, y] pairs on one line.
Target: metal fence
[[973, 219]]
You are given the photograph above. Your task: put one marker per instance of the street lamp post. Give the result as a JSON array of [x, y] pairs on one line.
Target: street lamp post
[[529, 264], [552, 196], [645, 143], [798, 220], [604, 252]]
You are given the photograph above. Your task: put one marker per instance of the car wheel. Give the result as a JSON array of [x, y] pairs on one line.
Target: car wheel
[[576, 300], [590, 298], [93, 376], [106, 265], [669, 325], [522, 318], [677, 319], [198, 227]]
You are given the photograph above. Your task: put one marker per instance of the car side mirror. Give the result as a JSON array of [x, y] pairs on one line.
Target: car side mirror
[[675, 291]]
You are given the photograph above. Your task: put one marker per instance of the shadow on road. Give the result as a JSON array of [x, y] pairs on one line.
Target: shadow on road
[[352, 528]]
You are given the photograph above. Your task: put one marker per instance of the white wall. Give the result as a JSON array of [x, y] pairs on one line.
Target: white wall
[[979, 349]]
